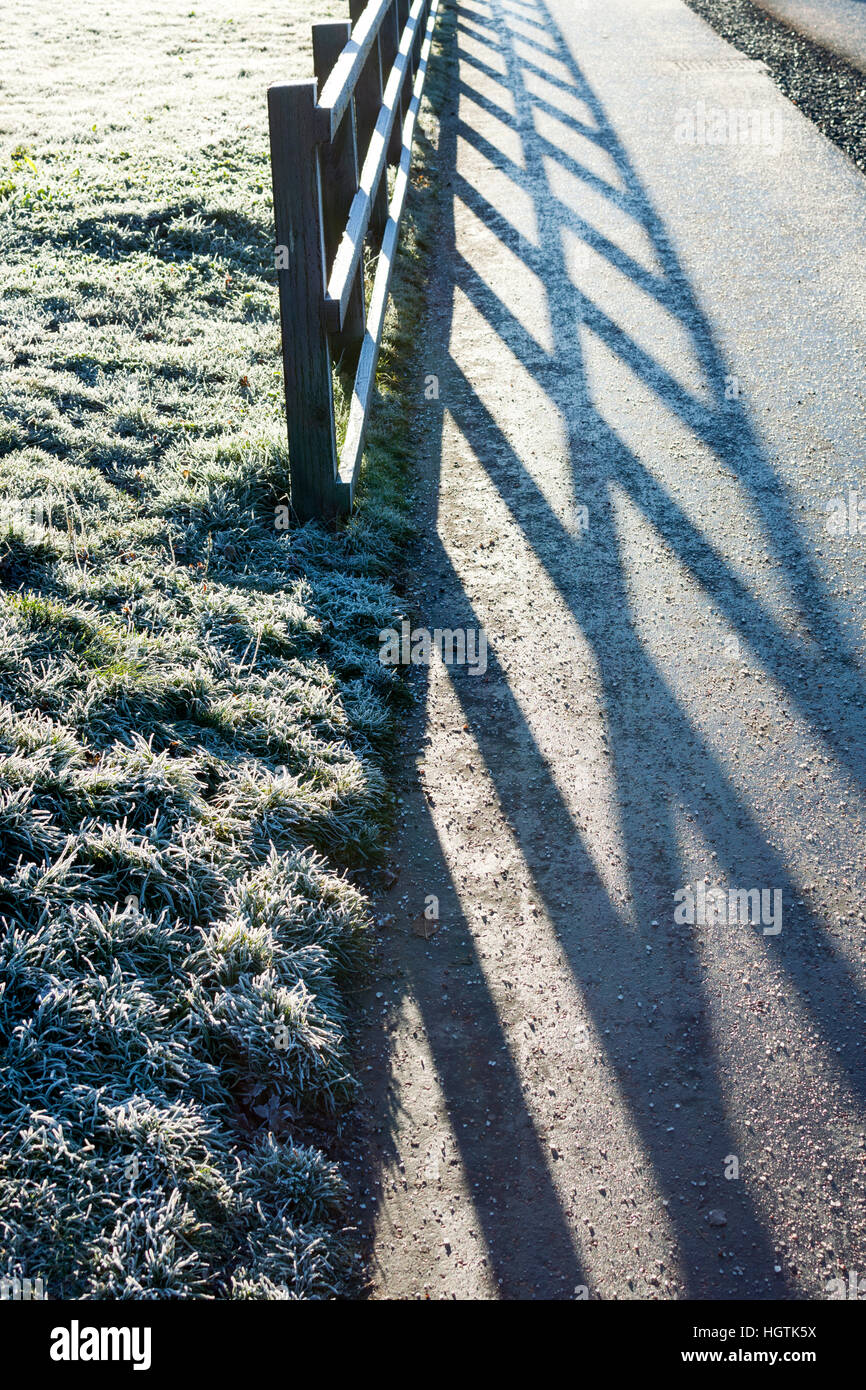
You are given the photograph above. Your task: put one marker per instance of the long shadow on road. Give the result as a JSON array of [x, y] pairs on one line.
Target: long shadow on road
[[661, 764]]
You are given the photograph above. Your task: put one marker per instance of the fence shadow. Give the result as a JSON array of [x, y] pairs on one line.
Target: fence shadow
[[659, 759]]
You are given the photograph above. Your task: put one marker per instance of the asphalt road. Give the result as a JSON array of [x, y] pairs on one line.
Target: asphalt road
[[649, 354]]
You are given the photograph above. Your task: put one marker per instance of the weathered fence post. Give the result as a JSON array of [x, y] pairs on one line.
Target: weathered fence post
[[326, 211], [392, 33], [339, 173], [368, 103], [403, 9], [419, 41], [301, 279]]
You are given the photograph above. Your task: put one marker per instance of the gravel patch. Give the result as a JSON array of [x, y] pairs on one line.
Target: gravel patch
[[826, 88]]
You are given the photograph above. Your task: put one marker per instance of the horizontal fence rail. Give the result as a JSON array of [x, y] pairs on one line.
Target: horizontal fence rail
[[332, 142]]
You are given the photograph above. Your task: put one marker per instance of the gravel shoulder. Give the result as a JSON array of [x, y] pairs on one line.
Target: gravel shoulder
[[816, 54], [839, 25]]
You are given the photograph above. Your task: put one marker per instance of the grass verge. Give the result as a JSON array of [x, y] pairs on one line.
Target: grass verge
[[194, 733]]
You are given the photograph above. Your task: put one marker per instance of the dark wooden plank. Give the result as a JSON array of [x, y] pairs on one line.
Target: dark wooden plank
[[391, 32], [353, 447], [301, 279], [419, 38], [337, 91], [339, 172], [368, 102], [372, 179], [403, 10]]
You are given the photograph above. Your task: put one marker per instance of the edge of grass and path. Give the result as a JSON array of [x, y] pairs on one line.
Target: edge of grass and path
[[195, 734]]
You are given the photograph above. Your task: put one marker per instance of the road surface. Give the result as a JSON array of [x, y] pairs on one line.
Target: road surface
[[649, 355]]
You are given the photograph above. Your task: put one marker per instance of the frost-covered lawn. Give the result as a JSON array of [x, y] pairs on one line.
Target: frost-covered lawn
[[192, 711]]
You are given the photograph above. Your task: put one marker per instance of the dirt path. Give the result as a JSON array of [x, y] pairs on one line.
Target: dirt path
[[571, 1093]]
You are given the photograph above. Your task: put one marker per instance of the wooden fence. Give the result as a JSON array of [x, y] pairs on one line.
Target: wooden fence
[[332, 140]]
